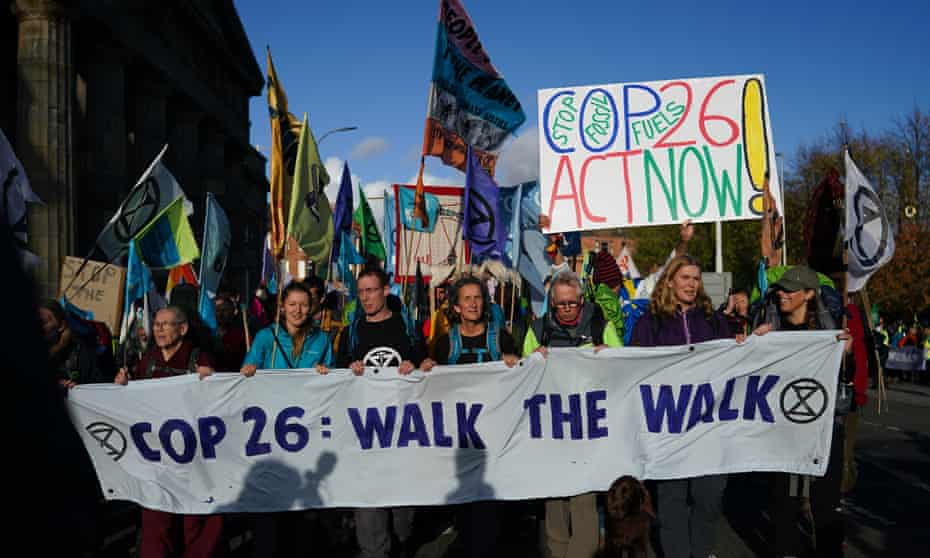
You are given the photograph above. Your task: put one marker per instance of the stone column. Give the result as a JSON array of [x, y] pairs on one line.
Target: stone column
[[108, 178], [150, 109], [44, 98]]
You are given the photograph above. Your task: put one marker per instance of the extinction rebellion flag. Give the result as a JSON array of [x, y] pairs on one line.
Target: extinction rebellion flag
[[470, 103], [869, 235]]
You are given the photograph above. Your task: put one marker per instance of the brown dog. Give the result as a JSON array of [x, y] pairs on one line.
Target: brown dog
[[629, 514]]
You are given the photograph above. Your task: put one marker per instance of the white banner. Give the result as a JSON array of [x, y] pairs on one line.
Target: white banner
[[560, 426], [654, 153]]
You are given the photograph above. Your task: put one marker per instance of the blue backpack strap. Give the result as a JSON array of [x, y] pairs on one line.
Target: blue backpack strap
[[455, 344], [494, 341]]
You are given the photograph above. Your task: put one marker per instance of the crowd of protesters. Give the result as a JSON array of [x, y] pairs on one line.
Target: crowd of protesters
[[308, 331]]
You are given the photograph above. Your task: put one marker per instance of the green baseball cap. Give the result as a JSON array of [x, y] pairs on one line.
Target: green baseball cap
[[797, 278]]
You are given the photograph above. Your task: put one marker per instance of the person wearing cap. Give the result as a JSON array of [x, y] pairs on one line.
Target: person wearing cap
[[798, 308], [571, 524]]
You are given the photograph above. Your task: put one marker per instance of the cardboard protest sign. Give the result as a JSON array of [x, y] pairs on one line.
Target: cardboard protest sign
[[103, 296], [654, 153]]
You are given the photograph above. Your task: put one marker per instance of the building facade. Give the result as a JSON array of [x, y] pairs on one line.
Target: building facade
[[90, 91]]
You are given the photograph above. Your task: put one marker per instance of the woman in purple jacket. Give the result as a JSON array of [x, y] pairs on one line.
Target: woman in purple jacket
[[681, 313]]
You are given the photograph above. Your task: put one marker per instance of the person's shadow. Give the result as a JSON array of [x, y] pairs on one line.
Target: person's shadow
[[477, 516], [269, 491], [273, 486]]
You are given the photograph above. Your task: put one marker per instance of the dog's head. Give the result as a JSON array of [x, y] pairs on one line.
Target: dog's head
[[627, 497]]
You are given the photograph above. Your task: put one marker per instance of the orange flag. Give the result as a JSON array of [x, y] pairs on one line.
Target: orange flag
[[419, 199], [180, 274]]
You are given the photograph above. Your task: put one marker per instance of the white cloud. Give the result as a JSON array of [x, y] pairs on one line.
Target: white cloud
[[334, 166], [519, 161], [369, 147]]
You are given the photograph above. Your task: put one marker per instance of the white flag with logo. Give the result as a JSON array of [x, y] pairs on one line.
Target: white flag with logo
[[869, 237]]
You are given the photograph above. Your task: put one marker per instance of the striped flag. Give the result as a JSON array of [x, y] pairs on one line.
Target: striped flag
[[168, 240]]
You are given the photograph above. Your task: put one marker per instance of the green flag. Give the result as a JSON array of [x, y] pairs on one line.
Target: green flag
[[370, 237], [310, 219]]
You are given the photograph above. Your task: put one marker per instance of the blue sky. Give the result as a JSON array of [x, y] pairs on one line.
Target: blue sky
[[368, 64]]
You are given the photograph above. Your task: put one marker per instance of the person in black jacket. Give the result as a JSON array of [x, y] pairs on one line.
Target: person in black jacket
[[74, 360], [379, 335]]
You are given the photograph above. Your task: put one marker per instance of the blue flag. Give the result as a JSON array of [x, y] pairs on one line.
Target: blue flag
[[389, 233], [508, 207], [482, 227], [348, 255], [534, 262], [405, 199], [216, 241], [342, 215], [138, 282]]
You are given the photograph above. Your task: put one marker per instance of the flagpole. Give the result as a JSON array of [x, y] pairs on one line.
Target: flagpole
[[277, 309], [203, 242]]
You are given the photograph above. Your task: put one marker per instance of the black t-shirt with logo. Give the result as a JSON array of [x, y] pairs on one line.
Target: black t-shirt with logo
[[378, 341], [474, 346]]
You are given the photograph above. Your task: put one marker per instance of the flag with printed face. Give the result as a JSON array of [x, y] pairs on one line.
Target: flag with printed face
[[155, 191], [482, 227], [470, 104], [869, 236], [217, 239], [285, 137], [168, 240], [310, 220], [370, 236]]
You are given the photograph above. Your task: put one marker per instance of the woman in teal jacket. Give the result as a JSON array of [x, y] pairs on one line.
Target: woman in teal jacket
[[299, 344]]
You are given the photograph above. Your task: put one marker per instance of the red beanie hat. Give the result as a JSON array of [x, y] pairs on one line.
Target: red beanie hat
[[606, 270]]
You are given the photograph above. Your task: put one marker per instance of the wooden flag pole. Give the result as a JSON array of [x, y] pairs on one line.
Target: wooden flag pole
[[245, 327], [277, 311]]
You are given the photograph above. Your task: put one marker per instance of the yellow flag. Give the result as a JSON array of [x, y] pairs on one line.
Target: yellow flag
[[285, 134]]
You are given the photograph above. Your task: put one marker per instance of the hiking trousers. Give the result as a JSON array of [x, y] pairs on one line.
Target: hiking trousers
[[572, 529], [687, 527], [373, 529]]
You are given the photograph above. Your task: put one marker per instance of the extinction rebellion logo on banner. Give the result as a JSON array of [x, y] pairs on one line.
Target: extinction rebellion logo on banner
[[109, 438], [801, 402]]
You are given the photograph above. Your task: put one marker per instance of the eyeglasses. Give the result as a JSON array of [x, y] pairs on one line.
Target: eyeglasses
[[567, 304], [164, 325]]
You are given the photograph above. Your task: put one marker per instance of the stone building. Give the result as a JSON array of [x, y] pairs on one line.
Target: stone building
[[90, 90]]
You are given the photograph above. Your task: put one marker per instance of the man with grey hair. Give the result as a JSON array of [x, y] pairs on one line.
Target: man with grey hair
[[571, 523], [173, 355]]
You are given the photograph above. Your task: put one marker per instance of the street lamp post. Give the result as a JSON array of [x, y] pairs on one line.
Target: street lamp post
[[334, 131]]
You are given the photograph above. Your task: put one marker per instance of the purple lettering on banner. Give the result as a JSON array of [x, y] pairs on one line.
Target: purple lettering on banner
[[212, 430], [756, 398], [467, 415], [666, 406], [366, 430]]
